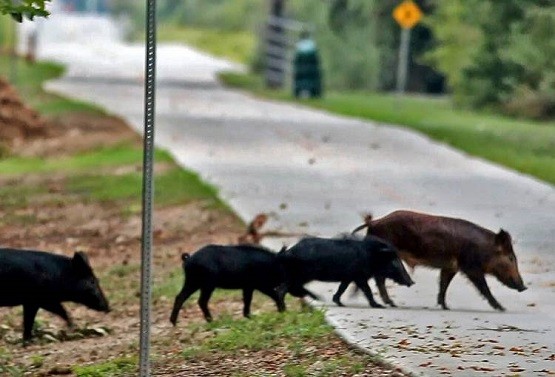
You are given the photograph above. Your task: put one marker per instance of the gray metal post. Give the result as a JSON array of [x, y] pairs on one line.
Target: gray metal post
[[148, 188], [403, 65]]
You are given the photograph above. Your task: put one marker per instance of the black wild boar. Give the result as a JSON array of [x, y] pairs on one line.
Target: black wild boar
[[37, 279], [343, 259], [451, 245], [245, 267]]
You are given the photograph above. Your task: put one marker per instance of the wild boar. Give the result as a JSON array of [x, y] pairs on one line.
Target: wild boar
[[37, 279], [245, 267], [451, 245], [342, 259]]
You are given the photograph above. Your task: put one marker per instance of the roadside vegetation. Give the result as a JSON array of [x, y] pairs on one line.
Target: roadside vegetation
[[74, 196]]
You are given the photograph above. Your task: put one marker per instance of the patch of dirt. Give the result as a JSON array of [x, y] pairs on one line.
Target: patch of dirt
[[26, 133], [78, 132], [17, 121], [110, 234]]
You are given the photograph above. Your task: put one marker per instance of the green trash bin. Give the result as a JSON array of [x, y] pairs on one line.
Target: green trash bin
[[307, 75]]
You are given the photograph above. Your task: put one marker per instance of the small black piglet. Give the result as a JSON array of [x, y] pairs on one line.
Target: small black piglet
[[37, 279], [245, 267]]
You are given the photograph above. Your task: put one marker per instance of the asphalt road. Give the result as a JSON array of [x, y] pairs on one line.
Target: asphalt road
[[316, 173]]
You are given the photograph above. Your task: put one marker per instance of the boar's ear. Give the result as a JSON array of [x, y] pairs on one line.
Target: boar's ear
[[80, 263], [503, 238]]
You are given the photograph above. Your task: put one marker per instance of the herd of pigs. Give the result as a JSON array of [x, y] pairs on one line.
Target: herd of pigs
[[41, 280]]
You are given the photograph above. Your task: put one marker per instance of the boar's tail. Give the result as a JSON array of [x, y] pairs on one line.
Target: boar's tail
[[360, 227], [367, 222], [283, 248], [184, 257]]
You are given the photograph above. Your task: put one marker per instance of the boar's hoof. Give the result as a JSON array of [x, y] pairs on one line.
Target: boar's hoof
[[376, 305], [499, 307], [208, 318], [337, 301], [392, 304]]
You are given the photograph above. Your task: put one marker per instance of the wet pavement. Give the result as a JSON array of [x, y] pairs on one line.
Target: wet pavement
[[316, 173]]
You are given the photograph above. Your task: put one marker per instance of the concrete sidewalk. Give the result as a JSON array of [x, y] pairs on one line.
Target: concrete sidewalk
[[316, 173]]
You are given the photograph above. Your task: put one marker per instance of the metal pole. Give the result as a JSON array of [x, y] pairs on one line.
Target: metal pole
[[403, 65], [148, 187]]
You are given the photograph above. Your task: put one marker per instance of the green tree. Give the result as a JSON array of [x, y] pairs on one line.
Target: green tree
[[497, 54], [457, 37], [531, 49], [24, 8]]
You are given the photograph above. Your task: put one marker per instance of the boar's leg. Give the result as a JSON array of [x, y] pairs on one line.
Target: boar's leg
[[300, 291], [337, 296], [247, 298], [180, 299], [205, 293], [29, 314], [480, 282], [58, 309], [363, 285], [445, 277], [380, 282], [276, 295]]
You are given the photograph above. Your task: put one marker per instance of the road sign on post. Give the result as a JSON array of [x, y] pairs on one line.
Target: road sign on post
[[407, 14]]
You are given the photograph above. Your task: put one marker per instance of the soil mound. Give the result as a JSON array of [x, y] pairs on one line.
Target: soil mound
[[17, 121]]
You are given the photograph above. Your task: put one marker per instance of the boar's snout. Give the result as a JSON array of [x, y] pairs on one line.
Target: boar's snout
[[399, 274], [521, 287], [100, 304], [517, 285], [406, 280], [106, 309]]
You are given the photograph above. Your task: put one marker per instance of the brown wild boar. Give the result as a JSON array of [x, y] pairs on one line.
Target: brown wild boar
[[451, 245]]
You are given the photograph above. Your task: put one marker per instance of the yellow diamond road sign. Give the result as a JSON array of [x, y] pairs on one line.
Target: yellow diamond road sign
[[407, 14]]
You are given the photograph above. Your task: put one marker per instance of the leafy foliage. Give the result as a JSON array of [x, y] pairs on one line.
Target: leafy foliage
[[498, 53], [24, 8]]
